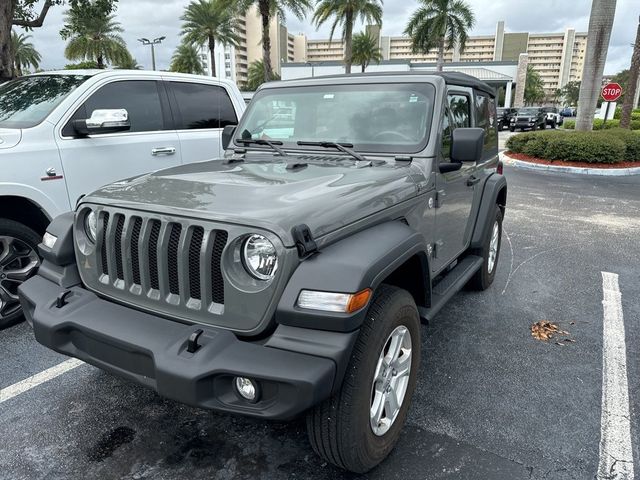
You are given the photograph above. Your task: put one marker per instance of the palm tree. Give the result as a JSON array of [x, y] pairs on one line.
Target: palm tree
[[595, 57], [365, 50], [186, 60], [24, 53], [440, 23], [534, 87], [267, 10], [95, 38], [255, 76], [206, 21], [345, 13], [129, 64], [632, 85]]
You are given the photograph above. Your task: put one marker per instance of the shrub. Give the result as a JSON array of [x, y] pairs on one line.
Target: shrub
[[598, 124], [631, 141], [635, 114], [592, 147]]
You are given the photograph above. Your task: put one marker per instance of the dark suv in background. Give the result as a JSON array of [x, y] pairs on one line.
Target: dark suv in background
[[504, 117], [529, 118]]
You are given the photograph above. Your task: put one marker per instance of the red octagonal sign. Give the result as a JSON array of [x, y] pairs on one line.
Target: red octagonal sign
[[611, 92]]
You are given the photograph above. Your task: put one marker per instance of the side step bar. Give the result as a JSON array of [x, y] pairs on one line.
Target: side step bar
[[450, 285]]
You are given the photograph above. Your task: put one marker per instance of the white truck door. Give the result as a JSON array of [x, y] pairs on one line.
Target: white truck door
[[202, 110], [151, 144]]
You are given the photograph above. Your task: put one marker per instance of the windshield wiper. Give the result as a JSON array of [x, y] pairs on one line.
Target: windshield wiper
[[261, 141], [343, 147]]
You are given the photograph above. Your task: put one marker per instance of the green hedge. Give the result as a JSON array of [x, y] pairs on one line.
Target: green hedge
[[610, 146], [598, 124], [635, 114]]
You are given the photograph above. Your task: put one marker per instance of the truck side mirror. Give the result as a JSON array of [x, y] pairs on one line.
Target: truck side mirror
[[467, 145], [227, 135], [104, 121]]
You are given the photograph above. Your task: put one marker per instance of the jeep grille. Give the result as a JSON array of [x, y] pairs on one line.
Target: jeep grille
[[166, 261]]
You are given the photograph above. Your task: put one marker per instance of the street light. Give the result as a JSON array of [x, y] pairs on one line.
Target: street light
[[155, 41]]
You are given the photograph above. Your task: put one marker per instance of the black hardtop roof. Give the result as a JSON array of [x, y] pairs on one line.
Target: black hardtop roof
[[450, 78]]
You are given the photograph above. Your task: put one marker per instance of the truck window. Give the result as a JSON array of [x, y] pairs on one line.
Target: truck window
[[446, 135], [203, 106], [139, 97], [485, 109], [460, 110]]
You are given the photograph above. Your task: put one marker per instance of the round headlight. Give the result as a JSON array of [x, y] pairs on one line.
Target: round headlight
[[259, 257], [91, 225]]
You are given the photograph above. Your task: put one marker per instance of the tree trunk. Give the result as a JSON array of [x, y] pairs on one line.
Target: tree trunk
[[6, 55], [364, 67], [265, 14], [212, 54], [632, 84], [100, 62], [600, 23], [348, 41], [440, 61]]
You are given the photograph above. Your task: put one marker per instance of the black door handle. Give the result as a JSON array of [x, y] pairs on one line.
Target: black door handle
[[472, 180]]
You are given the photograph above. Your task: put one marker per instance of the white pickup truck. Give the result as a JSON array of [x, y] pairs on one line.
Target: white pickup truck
[[64, 134]]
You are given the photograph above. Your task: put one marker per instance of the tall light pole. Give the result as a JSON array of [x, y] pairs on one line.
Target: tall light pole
[[153, 43]]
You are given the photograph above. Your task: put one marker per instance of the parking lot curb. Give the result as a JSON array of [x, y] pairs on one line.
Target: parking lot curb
[[605, 172]]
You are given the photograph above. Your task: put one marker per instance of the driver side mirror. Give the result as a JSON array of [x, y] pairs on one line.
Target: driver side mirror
[[467, 145], [103, 121], [227, 135]]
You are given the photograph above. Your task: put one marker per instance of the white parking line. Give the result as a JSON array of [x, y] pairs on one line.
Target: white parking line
[[39, 378], [616, 455]]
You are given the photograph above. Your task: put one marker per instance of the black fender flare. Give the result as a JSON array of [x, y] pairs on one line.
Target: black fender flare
[[494, 193], [362, 260]]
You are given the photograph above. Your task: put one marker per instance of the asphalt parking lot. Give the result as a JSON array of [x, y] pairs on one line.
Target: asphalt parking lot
[[492, 402]]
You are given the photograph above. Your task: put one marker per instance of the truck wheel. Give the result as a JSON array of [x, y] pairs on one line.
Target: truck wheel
[[358, 427], [511, 129], [19, 260], [490, 252]]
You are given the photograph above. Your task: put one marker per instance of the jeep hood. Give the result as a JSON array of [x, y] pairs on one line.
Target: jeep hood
[[9, 137], [326, 194]]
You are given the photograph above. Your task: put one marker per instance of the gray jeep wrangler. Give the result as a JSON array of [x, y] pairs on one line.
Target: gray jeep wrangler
[[291, 276]]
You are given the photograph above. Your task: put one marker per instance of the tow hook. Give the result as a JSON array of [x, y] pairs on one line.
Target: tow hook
[[61, 299], [192, 344]]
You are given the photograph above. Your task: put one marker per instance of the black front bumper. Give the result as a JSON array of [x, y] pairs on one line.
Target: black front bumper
[[152, 351]]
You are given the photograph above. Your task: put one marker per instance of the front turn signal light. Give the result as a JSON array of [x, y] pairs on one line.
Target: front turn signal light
[[334, 302]]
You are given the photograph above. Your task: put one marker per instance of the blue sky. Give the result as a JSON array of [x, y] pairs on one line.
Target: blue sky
[[154, 18]]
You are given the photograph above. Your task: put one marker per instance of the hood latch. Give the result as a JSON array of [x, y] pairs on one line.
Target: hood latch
[[305, 243]]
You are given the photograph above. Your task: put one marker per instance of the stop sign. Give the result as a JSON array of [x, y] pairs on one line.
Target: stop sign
[[611, 92]]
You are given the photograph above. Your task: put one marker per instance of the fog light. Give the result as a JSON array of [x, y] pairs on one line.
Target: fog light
[[247, 389], [49, 240]]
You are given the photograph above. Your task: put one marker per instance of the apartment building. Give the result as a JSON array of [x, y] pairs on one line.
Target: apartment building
[[557, 57], [233, 62]]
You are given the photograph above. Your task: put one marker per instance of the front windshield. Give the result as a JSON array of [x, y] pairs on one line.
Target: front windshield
[[528, 111], [372, 117], [26, 102]]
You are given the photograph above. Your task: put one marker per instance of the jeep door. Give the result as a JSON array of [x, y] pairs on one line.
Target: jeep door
[[150, 144], [201, 111], [459, 191]]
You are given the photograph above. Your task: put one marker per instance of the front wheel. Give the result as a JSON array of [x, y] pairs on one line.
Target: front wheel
[[359, 426], [490, 253], [512, 129], [19, 260]]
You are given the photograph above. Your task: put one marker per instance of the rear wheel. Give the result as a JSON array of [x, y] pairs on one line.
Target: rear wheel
[[490, 252], [19, 260], [358, 427]]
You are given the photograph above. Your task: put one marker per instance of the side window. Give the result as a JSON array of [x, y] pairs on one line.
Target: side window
[[139, 97], [460, 110], [485, 108], [203, 106], [446, 135]]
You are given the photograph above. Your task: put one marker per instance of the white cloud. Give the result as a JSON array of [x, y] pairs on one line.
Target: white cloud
[[154, 18]]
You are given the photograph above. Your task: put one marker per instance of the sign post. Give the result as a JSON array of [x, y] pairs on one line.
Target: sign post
[[610, 93]]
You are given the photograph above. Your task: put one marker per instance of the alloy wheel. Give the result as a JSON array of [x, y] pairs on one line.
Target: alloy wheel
[[493, 247], [18, 262], [390, 380]]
